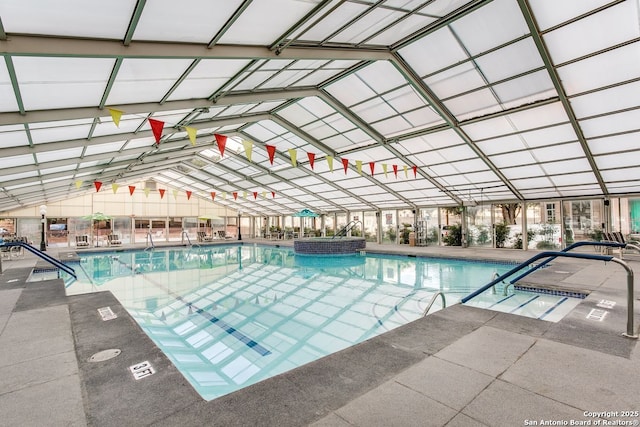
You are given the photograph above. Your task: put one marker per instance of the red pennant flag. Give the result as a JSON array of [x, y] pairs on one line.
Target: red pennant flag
[[222, 142], [255, 195], [345, 164], [188, 195], [235, 195], [156, 127], [395, 170], [161, 190], [132, 188], [415, 171], [98, 184], [213, 195], [312, 158], [271, 149], [372, 165], [273, 194]]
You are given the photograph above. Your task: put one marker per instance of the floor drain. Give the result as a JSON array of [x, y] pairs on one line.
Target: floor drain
[[105, 355]]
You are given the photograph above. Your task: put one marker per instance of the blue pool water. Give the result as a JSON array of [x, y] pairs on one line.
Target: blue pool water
[[230, 316]]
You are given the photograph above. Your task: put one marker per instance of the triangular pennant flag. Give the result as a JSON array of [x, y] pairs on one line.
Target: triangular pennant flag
[[161, 190], [114, 187], [244, 195], [192, 134], [213, 195], [248, 149], [132, 188], [222, 143], [359, 166], [372, 166], [415, 171], [175, 194], [406, 172], [235, 195], [255, 195], [330, 162], [264, 194], [189, 194], [146, 191], [115, 115], [224, 195], [98, 184], [156, 127], [312, 158], [384, 169], [293, 154], [395, 170], [271, 150], [273, 194], [78, 184], [345, 164]]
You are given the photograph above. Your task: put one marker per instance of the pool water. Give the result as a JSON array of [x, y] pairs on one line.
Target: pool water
[[230, 316]]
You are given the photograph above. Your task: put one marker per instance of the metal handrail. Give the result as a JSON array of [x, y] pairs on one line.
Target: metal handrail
[[62, 266], [567, 249], [344, 230], [630, 330], [150, 239], [433, 299]]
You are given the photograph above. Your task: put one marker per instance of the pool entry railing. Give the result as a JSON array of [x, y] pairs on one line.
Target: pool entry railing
[[630, 333], [186, 235], [60, 265], [433, 299], [150, 244], [344, 231]]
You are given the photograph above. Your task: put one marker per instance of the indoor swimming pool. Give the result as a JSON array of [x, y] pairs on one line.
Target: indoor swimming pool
[[229, 316]]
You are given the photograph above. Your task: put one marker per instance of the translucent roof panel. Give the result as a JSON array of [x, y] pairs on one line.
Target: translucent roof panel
[[491, 100]]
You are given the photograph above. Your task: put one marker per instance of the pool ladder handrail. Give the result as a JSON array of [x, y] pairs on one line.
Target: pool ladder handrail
[[185, 234], [56, 263], [630, 333], [150, 244], [433, 299], [347, 228]]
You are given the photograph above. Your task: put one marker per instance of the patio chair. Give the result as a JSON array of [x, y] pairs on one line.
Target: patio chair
[[82, 241], [113, 240], [202, 237]]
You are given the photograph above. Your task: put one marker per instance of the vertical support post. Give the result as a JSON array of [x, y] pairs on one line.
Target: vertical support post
[[43, 242], [239, 228]]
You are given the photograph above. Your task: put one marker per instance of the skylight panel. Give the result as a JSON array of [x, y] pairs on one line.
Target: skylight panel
[[128, 124], [550, 12], [140, 143], [556, 152], [401, 29], [614, 66], [60, 133], [350, 90], [497, 22], [602, 101], [11, 136], [525, 89], [522, 172], [112, 147], [145, 80], [568, 166], [207, 77], [48, 156], [511, 159], [573, 179], [474, 104], [609, 27], [455, 80], [78, 18], [374, 110], [392, 126], [614, 123], [614, 143], [266, 21], [67, 82], [158, 23], [616, 161], [434, 52], [367, 25], [7, 95]]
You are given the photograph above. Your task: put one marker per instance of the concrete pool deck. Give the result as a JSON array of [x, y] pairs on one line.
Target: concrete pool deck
[[460, 366]]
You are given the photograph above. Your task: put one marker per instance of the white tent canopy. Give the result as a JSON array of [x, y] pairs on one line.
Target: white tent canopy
[[380, 104]]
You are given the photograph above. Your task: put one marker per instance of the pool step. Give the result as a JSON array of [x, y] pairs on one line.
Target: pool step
[[541, 306]]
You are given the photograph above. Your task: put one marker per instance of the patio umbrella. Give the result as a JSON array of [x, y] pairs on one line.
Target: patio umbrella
[[96, 216], [304, 213]]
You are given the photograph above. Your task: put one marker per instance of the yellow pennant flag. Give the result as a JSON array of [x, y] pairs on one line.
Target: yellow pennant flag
[[114, 187], [244, 195], [175, 194], [78, 184], [115, 115], [224, 196], [192, 134], [406, 171], [330, 162], [293, 154], [359, 166], [264, 194], [248, 148], [384, 169], [146, 191]]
